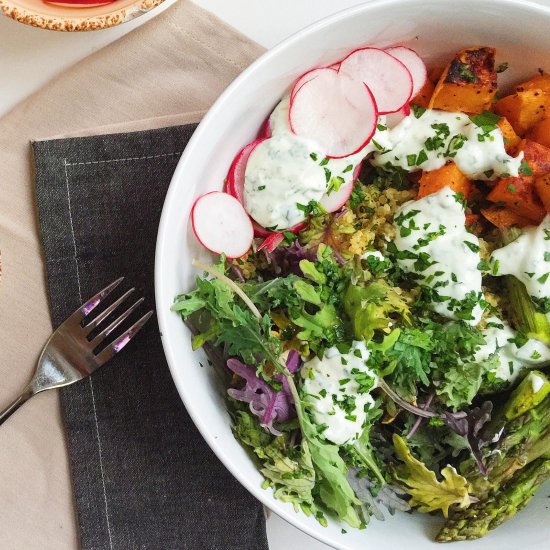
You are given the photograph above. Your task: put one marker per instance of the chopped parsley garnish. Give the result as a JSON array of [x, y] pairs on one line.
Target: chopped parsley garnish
[[328, 174], [465, 72], [348, 168], [543, 278], [519, 339], [489, 173], [418, 111], [313, 156], [422, 157], [512, 188], [456, 143], [357, 195], [486, 120], [324, 162], [525, 169], [312, 208], [536, 355], [381, 127], [261, 187], [335, 184], [459, 197], [437, 141], [547, 256], [546, 234], [472, 246]]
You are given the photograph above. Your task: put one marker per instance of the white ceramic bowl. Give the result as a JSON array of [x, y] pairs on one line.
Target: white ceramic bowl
[[434, 28]]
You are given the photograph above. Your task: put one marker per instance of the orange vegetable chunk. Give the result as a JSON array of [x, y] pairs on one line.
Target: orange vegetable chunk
[[542, 186], [518, 194], [539, 82], [504, 217], [524, 109], [448, 175], [511, 139], [468, 84], [540, 132]]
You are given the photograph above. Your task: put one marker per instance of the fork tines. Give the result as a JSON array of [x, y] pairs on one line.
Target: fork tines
[[82, 313]]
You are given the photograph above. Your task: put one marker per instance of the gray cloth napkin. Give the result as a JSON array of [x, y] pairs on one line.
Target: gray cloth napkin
[[143, 476]]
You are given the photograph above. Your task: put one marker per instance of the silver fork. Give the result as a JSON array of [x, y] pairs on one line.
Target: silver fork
[[69, 354]]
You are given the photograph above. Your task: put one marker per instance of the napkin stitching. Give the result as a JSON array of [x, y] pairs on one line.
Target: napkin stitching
[[87, 163], [89, 378]]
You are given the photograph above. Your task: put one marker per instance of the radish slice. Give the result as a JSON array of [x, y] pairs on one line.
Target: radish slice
[[222, 225], [306, 77], [388, 79], [265, 130], [335, 200], [235, 176], [272, 242], [336, 111], [414, 64], [393, 119]]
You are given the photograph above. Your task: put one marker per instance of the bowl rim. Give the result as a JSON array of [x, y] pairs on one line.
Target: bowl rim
[[163, 237], [75, 23]]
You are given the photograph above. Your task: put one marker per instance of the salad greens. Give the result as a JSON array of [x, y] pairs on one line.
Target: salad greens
[[440, 429]]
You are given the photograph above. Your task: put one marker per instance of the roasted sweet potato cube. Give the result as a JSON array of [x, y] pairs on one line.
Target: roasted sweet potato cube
[[524, 109], [539, 82], [518, 194], [536, 156], [448, 175], [501, 216], [474, 223], [542, 187], [423, 97], [468, 84], [511, 139], [540, 132]]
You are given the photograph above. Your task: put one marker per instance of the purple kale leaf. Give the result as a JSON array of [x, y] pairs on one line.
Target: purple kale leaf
[[267, 403], [472, 426]]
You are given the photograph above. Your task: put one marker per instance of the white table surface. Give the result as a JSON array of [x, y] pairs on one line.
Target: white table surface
[[30, 57]]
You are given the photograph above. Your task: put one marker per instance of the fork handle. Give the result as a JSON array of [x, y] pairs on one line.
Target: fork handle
[[10, 409]]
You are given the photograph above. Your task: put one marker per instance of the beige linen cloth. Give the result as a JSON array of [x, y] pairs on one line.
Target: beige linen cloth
[[166, 72]]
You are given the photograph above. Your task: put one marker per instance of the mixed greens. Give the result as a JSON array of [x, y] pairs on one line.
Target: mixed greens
[[433, 426]]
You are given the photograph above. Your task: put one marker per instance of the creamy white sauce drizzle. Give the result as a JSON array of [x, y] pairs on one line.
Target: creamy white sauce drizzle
[[528, 259], [512, 359], [431, 240], [287, 170], [428, 142], [332, 392]]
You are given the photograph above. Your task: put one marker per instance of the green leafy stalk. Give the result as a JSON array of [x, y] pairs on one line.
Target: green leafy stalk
[[526, 318], [526, 438]]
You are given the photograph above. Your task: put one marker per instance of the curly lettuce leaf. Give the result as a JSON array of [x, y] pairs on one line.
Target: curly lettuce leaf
[[462, 381], [427, 493], [288, 471], [369, 308]]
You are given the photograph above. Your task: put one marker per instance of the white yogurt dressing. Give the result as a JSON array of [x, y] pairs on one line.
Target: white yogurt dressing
[[431, 242], [528, 259], [287, 170], [428, 142], [512, 359], [333, 392]]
